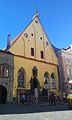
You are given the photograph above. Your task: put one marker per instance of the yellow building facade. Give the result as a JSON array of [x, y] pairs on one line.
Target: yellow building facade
[[32, 48]]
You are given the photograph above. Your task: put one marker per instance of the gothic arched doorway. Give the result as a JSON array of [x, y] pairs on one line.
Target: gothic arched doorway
[[3, 94]]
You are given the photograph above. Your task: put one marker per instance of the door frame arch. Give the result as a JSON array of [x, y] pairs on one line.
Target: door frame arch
[[3, 94]]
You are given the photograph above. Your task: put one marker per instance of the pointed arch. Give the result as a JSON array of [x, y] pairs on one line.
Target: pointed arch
[[46, 80], [53, 80], [21, 77]]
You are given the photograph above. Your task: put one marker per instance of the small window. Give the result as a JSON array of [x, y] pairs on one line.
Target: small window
[[31, 34], [32, 51], [36, 21], [41, 38], [6, 71], [67, 61], [42, 55], [0, 70], [25, 34], [69, 71]]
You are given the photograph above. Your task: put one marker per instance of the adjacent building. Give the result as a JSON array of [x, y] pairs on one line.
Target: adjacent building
[[65, 67], [6, 76]]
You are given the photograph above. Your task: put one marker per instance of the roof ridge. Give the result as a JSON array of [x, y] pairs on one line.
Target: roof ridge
[[15, 39]]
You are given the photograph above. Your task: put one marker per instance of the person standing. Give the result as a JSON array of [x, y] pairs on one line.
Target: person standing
[[23, 98], [36, 95], [64, 97], [36, 88], [53, 99], [50, 99]]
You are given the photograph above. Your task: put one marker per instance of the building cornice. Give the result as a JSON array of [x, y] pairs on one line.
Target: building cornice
[[35, 60]]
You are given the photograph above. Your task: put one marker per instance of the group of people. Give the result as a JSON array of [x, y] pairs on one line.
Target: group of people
[[35, 88], [51, 98], [28, 99]]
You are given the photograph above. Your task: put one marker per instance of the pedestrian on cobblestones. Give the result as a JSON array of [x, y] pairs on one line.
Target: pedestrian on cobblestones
[[36, 89], [50, 99], [53, 99], [23, 98]]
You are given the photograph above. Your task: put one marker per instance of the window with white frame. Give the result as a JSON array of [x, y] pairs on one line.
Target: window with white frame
[[68, 61], [69, 71], [21, 78], [53, 81]]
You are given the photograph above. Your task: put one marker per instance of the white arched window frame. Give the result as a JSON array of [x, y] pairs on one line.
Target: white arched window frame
[[21, 77], [46, 80], [53, 81]]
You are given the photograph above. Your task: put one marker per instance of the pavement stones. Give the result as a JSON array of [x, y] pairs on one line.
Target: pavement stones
[[58, 115]]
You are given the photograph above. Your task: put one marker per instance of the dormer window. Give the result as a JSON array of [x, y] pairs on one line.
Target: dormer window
[[26, 35]]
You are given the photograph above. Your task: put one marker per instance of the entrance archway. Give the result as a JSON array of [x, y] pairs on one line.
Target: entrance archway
[[3, 94]]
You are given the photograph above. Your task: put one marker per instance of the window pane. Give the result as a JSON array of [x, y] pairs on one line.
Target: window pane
[[42, 55], [7, 72], [20, 78], [32, 51], [0, 70], [3, 70], [53, 81]]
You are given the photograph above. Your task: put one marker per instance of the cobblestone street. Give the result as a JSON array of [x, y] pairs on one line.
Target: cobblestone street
[[58, 115], [35, 112]]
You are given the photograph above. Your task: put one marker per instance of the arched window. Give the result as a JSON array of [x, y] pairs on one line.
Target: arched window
[[53, 81], [4, 70], [21, 76], [46, 80]]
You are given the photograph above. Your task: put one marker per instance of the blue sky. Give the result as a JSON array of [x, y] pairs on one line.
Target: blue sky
[[55, 16]]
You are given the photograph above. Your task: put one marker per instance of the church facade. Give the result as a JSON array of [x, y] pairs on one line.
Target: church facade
[[33, 50]]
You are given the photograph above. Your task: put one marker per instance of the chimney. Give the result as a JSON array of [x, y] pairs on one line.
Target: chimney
[[8, 41]]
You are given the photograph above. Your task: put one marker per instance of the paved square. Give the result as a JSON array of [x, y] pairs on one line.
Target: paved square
[[58, 115]]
